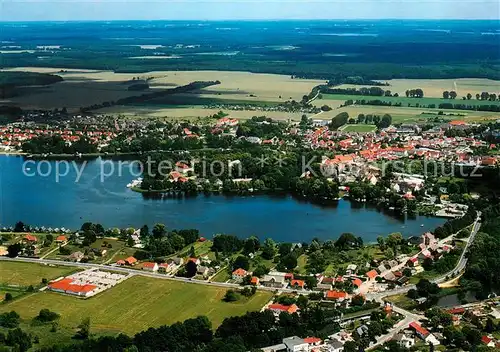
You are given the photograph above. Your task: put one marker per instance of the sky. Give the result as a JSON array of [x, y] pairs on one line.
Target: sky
[[80, 10]]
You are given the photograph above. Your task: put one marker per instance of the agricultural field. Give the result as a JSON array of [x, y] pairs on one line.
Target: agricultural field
[[188, 112], [411, 114], [87, 87], [408, 102], [434, 88], [138, 303], [25, 274]]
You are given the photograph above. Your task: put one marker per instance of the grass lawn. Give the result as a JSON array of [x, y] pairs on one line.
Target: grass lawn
[[410, 102], [25, 274], [222, 276], [301, 264], [359, 128], [137, 304]]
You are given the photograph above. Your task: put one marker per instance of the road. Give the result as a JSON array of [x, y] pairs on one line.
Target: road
[[409, 316], [379, 296]]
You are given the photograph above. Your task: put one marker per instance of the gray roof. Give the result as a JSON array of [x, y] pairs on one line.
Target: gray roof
[[335, 343], [290, 342], [275, 348]]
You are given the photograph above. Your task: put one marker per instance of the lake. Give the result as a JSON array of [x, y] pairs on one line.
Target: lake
[[44, 201]]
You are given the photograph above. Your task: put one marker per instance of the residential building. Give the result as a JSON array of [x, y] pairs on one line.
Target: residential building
[[149, 266], [296, 344], [239, 274]]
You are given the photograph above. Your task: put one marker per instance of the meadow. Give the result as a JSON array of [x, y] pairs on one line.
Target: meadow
[[434, 88], [25, 274], [409, 102], [138, 303], [88, 87]]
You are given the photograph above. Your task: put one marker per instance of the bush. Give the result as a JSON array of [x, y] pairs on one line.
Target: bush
[[9, 319], [8, 297], [230, 296], [46, 315]]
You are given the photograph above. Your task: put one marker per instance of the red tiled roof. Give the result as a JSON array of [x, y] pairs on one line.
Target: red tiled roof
[[131, 260], [299, 283], [240, 272], [456, 311], [30, 238], [332, 294], [357, 282], [289, 309], [254, 280], [486, 340], [61, 238], [312, 340], [415, 326], [372, 274], [148, 265]]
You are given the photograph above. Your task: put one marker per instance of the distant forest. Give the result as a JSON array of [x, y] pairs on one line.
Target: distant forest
[[340, 52]]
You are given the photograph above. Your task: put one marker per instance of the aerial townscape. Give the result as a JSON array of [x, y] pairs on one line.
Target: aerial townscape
[[247, 185]]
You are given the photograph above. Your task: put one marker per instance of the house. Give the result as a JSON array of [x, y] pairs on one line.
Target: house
[[297, 284], [295, 344], [30, 239], [335, 295], [488, 341], [390, 276], [277, 308], [202, 270], [313, 341], [164, 268], [176, 261], [381, 268], [254, 280], [334, 345], [76, 256], [357, 282], [412, 262], [324, 287], [372, 274], [419, 330], [239, 274], [363, 329], [130, 261], [274, 279], [424, 255], [456, 311], [351, 269], [61, 239], [404, 341], [149, 266], [194, 260]]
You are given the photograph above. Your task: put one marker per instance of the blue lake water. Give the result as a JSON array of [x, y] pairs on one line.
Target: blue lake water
[[38, 200]]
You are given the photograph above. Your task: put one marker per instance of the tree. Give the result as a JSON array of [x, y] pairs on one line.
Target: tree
[[159, 231], [19, 340], [469, 96], [425, 288], [83, 329], [358, 300], [269, 249], [446, 95], [230, 296], [260, 270], [251, 245], [14, 249], [346, 241], [381, 242], [386, 121], [144, 232], [191, 269], [9, 319], [339, 120], [289, 261], [285, 248], [453, 94], [46, 315], [241, 262], [19, 227], [8, 297]]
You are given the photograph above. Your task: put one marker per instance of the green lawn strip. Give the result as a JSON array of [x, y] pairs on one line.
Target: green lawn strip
[[137, 304]]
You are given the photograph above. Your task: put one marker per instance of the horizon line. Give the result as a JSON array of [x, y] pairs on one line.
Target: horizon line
[[256, 20]]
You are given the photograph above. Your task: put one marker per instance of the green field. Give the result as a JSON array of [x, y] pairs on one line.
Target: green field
[[406, 102], [138, 303], [359, 128], [25, 274]]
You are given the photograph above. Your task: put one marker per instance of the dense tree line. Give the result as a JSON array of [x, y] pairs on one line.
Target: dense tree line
[[483, 270], [56, 145]]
